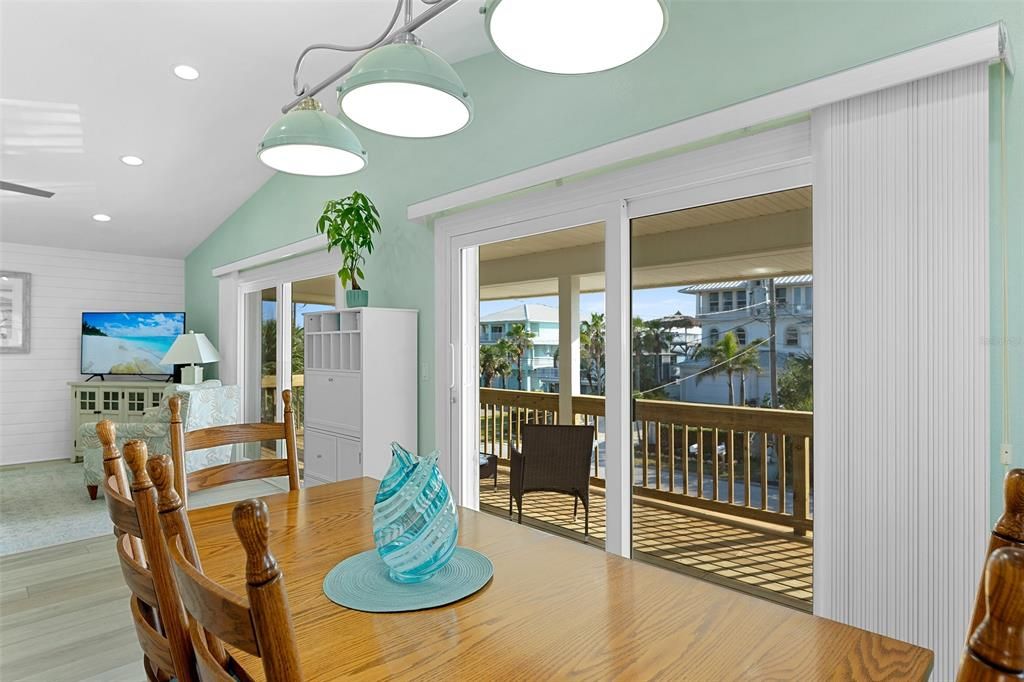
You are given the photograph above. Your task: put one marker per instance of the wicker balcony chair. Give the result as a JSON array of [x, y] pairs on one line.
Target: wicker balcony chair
[[553, 459]]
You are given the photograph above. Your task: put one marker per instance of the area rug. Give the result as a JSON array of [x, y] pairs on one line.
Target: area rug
[[45, 503]]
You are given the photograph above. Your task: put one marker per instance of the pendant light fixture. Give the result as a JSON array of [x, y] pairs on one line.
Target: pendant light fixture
[[406, 90], [574, 36], [309, 141], [398, 87]]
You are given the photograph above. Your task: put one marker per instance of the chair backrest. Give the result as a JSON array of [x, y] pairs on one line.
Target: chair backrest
[[1008, 532], [259, 624], [183, 442], [995, 649], [160, 621], [558, 457], [113, 466]]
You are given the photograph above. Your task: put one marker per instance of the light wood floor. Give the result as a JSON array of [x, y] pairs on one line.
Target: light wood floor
[[64, 609], [768, 563], [64, 615]]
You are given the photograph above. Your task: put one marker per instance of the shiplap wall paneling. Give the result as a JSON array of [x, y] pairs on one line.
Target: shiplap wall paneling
[[901, 372], [34, 405]]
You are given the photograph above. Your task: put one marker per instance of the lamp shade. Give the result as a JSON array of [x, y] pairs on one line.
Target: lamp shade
[[190, 349], [406, 90], [574, 36], [309, 141]]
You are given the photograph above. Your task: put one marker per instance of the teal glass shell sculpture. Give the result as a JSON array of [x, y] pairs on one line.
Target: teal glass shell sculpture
[[415, 525]]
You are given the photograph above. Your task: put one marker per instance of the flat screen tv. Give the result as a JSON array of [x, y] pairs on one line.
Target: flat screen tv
[[128, 343]]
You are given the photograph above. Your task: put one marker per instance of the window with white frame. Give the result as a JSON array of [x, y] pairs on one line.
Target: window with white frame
[[792, 336], [713, 302], [713, 335], [741, 336], [780, 296]]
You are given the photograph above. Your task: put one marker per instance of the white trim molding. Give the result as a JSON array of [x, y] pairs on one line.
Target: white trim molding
[[981, 46], [901, 422], [281, 253]]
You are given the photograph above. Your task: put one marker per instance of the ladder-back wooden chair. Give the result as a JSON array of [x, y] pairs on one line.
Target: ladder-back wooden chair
[[159, 619], [1008, 532], [259, 623], [183, 442], [995, 636], [995, 649]]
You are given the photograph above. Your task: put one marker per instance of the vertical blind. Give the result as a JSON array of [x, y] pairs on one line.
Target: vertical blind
[[902, 443]]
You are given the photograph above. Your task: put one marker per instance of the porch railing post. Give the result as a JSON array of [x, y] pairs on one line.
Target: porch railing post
[[801, 482]]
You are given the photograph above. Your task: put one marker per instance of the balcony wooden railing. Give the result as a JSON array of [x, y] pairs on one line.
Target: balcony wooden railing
[[748, 462]]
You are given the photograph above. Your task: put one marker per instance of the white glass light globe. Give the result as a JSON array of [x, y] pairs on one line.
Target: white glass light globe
[[405, 109], [574, 36], [311, 159]]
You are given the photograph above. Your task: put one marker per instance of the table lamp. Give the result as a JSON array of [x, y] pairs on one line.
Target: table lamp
[[188, 349]]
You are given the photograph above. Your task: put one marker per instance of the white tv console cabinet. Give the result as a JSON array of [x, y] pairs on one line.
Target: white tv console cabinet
[[360, 391], [118, 401]]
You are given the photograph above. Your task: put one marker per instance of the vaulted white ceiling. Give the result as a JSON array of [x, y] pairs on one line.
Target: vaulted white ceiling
[[84, 83]]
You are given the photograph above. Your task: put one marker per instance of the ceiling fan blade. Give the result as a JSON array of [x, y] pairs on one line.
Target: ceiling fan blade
[[34, 191]]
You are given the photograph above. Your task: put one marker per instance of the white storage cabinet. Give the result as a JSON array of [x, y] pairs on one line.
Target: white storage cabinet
[[360, 391]]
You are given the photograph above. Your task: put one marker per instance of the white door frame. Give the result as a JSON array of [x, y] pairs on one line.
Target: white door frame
[[274, 269], [765, 162]]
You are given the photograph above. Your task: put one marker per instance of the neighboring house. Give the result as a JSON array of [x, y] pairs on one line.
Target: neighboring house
[[741, 307], [539, 362]]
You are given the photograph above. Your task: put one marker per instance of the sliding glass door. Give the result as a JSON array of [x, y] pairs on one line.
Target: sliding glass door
[[721, 361], [307, 296], [540, 347], [274, 351]]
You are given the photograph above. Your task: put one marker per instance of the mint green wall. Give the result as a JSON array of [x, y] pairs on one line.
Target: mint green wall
[[714, 54]]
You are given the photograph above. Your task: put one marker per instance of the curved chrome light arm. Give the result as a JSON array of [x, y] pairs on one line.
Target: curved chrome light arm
[[411, 24], [348, 48]]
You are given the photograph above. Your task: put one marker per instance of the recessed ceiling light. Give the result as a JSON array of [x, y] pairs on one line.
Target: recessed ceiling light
[[186, 72], [131, 160], [101, 218]]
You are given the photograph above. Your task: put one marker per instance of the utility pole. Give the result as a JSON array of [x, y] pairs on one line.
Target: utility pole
[[773, 364]]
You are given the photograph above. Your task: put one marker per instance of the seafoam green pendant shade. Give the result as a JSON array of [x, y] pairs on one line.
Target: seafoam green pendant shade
[[309, 141], [406, 90]]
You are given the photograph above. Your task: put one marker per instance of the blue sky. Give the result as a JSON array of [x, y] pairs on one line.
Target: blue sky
[[647, 303], [137, 324]]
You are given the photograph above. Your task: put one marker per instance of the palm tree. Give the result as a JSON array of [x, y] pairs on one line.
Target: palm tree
[[650, 338], [490, 356], [592, 357], [719, 356], [728, 356], [746, 362], [520, 340], [503, 366]]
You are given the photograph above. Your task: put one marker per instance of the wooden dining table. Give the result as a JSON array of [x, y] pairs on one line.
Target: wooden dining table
[[555, 608]]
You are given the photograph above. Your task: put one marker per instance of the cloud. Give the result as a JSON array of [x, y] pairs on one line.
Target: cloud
[[151, 324]]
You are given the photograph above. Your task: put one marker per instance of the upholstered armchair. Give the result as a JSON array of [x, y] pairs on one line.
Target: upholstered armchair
[[202, 405]]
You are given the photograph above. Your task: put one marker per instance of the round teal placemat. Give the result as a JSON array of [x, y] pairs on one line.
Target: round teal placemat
[[361, 582]]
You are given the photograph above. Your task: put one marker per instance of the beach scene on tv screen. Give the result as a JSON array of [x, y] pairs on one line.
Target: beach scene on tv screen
[[128, 343]]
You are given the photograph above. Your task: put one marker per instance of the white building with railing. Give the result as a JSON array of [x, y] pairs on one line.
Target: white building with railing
[[539, 361], [743, 308]]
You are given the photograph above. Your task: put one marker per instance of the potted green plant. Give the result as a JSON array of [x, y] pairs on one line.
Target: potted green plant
[[350, 223]]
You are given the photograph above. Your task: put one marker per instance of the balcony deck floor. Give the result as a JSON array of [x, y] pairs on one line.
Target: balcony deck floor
[[767, 563]]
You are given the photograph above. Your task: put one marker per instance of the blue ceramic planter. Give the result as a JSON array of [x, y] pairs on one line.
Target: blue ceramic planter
[[415, 525], [357, 298]]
